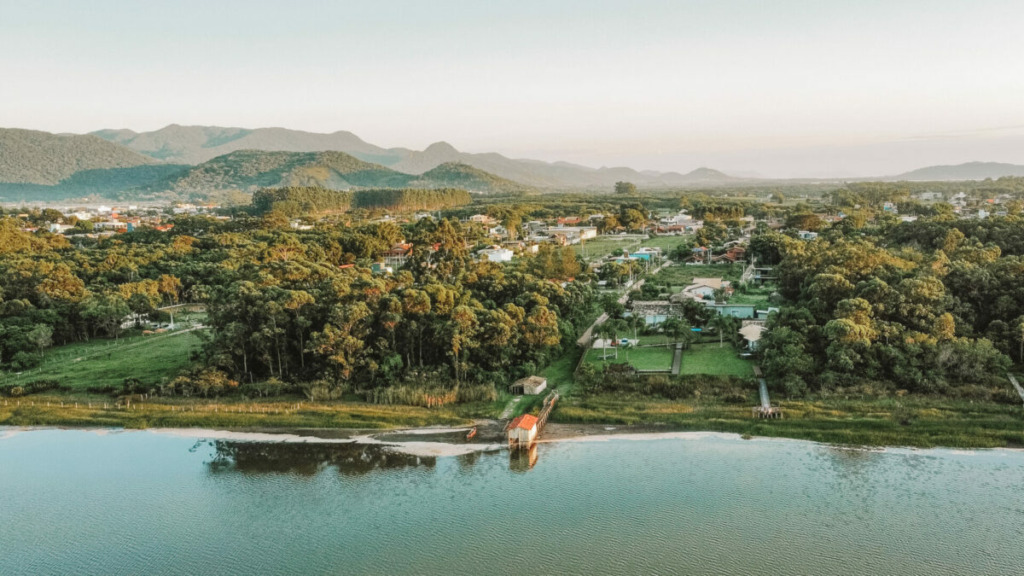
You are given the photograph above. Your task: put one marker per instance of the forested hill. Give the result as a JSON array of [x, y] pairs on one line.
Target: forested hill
[[249, 170], [459, 175], [41, 158], [968, 171], [252, 169]]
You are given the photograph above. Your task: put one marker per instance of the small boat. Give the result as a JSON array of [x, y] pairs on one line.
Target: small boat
[[471, 433]]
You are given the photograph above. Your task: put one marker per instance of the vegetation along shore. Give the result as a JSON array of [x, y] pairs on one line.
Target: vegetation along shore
[[874, 313]]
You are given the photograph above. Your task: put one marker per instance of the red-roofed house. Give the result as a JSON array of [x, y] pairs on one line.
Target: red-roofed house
[[522, 430]]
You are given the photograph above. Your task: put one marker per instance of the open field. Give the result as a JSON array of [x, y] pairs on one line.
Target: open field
[[658, 358], [681, 276], [666, 243], [908, 421], [604, 245], [152, 359], [711, 359]]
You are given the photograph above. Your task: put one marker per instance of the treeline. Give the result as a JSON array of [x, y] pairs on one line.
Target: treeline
[[310, 201], [290, 311], [411, 198], [301, 201]]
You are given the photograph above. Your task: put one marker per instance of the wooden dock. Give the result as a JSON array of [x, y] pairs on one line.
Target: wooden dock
[[765, 410]]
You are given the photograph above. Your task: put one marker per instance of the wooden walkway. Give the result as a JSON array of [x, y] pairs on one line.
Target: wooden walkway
[[765, 410], [1016, 385]]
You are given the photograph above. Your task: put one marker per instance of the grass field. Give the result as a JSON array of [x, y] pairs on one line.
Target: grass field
[[152, 359], [710, 359], [604, 245], [909, 421], [680, 276], [666, 243], [659, 358]]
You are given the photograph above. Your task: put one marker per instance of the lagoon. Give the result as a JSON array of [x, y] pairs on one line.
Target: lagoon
[[130, 502]]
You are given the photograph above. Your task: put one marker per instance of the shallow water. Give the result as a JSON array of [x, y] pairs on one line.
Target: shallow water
[[82, 502]]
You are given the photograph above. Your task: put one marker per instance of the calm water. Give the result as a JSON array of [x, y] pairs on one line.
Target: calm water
[[77, 502]]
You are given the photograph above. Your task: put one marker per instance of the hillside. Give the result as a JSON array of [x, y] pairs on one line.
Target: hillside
[[252, 169], [968, 171], [197, 144], [458, 175], [33, 157]]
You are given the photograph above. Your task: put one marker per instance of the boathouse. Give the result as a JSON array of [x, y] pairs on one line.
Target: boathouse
[[522, 431]]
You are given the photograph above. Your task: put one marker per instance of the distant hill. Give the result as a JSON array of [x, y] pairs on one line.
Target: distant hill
[[459, 175], [968, 171], [197, 144], [249, 170], [41, 158]]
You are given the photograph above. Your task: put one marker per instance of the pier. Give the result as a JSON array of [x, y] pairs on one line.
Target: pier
[[765, 410]]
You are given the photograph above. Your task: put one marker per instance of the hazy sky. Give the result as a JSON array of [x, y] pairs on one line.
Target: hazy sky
[[781, 88]]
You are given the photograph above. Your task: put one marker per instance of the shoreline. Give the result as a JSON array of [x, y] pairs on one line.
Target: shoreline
[[561, 434]]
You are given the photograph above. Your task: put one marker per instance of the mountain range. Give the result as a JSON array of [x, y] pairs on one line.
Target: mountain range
[[201, 159], [196, 144]]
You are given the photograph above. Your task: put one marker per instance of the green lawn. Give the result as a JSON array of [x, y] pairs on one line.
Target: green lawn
[[659, 358], [152, 359], [680, 276], [666, 243], [604, 245], [710, 359]]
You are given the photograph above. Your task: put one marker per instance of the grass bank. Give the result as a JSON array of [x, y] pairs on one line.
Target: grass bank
[[92, 410], [910, 421]]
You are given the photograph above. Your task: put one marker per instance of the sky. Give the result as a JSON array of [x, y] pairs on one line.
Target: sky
[[783, 88]]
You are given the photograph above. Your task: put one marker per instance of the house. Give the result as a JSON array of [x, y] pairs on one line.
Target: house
[[522, 431], [568, 220], [496, 254], [482, 219], [805, 235], [531, 385], [751, 333], [732, 255], [397, 255], [703, 288]]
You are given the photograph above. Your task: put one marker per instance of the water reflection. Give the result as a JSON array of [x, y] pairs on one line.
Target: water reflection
[[522, 460], [301, 459]]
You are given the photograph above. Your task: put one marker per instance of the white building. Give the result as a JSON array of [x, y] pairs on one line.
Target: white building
[[496, 254]]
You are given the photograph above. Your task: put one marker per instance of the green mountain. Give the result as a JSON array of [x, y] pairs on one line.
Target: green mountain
[[968, 171], [249, 170], [40, 158], [459, 175]]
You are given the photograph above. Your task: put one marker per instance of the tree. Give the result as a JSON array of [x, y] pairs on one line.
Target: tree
[[625, 188], [721, 323]]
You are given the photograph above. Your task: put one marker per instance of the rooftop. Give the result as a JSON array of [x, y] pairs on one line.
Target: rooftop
[[526, 422]]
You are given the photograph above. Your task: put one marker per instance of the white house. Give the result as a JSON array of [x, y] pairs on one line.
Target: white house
[[496, 254]]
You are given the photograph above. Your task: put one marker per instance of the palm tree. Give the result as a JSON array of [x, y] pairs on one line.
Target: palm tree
[[605, 332], [636, 322], [720, 323]]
